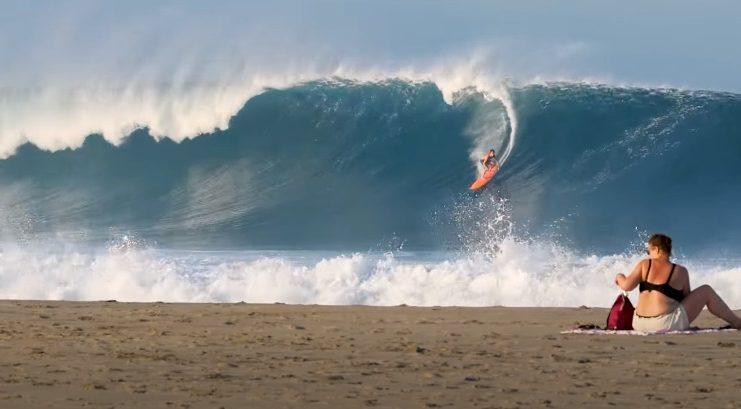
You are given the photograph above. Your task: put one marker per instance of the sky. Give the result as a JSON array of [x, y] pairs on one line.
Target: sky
[[685, 44]]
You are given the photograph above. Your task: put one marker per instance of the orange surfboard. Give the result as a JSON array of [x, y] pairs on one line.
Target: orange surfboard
[[485, 178]]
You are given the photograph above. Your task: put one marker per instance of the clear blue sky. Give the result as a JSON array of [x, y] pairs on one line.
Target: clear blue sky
[[692, 44]]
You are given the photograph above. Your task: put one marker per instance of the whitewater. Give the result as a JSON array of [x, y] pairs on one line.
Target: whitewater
[[326, 180]]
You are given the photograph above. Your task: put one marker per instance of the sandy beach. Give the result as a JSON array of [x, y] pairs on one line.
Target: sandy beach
[[157, 355]]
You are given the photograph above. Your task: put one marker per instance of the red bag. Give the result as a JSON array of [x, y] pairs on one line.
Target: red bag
[[621, 314]]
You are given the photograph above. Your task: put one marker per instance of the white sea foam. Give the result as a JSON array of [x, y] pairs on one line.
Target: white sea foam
[[518, 274]]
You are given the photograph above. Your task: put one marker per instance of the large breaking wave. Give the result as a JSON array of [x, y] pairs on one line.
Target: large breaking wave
[[354, 165], [348, 192]]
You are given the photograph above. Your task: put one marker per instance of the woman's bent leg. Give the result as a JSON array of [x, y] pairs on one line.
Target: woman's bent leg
[[705, 296]]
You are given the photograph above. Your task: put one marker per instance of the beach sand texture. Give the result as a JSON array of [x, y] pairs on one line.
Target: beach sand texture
[[157, 355]]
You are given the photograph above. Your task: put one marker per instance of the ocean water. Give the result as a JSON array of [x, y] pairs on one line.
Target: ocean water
[[355, 192], [276, 152]]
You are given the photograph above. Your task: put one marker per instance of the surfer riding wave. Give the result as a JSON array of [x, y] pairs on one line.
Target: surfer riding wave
[[491, 165], [490, 160]]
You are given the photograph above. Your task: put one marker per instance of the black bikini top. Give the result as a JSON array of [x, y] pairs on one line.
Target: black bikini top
[[665, 288]]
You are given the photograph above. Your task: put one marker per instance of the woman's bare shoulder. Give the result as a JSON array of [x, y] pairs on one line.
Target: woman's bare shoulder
[[681, 269], [642, 265]]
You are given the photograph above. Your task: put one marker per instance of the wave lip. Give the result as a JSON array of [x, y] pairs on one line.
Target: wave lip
[[57, 117]]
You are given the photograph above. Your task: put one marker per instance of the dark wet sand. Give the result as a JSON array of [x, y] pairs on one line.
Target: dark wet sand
[[132, 355]]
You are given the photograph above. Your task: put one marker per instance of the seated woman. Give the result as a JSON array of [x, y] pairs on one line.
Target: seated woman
[[665, 301]]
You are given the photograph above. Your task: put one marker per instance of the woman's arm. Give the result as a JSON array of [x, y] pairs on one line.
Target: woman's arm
[[631, 281], [686, 289]]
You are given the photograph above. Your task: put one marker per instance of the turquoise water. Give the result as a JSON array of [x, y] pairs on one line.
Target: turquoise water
[[347, 192]]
